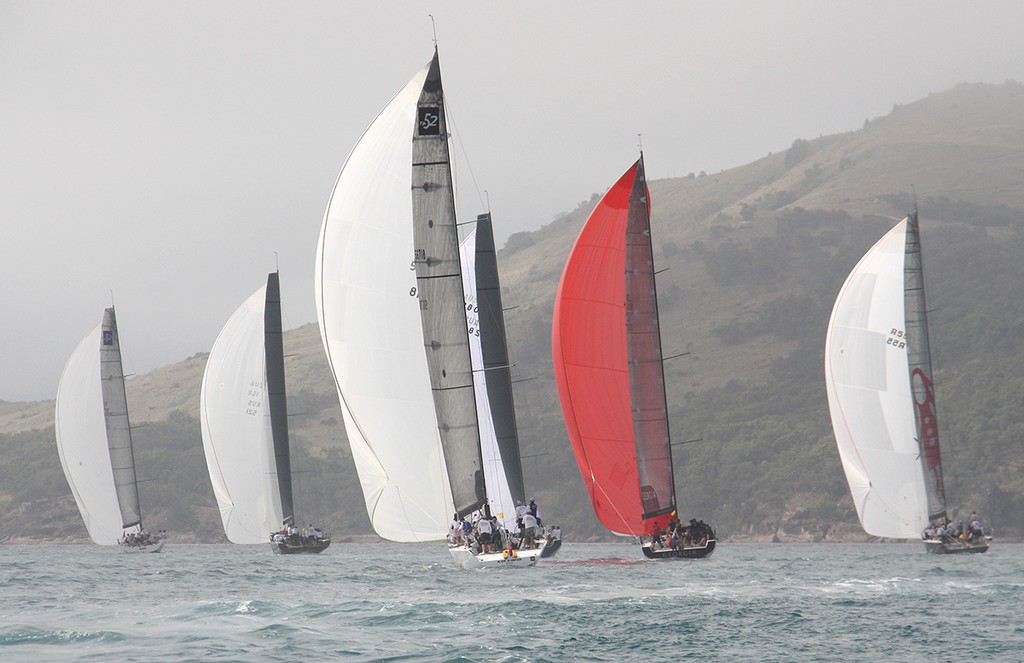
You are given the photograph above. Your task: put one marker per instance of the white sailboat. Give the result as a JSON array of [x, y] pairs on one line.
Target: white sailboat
[[390, 304], [243, 417], [878, 376], [94, 441], [499, 441]]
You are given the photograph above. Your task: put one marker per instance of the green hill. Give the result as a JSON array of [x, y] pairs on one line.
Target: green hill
[[754, 257]]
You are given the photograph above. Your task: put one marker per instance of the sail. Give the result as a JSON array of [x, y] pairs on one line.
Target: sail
[[370, 324], [591, 361], [82, 441], [646, 370], [494, 349], [119, 434], [499, 495], [236, 427], [919, 361], [273, 335], [868, 381], [441, 298]]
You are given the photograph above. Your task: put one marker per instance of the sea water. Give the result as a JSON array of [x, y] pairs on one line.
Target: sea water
[[592, 602]]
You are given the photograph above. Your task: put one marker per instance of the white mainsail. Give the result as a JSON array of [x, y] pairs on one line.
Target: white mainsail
[[371, 327], [235, 421], [869, 393], [82, 441], [498, 493]]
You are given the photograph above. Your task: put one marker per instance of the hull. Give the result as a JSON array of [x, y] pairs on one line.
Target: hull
[[301, 548], [550, 548], [694, 552], [955, 547], [520, 559], [153, 547]]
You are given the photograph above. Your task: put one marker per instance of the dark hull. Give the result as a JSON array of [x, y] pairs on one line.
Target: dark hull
[[302, 548], [956, 548], [551, 548], [695, 552]]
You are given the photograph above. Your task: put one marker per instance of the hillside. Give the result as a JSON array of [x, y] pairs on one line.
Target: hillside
[[754, 258]]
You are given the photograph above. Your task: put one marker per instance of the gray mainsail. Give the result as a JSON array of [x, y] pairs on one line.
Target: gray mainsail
[[274, 353], [494, 347], [115, 415], [919, 363], [646, 372], [441, 297]]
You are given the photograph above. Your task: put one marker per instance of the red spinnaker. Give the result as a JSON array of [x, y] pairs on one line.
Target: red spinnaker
[[590, 362]]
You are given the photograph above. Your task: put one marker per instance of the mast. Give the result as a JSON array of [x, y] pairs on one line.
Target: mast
[[115, 414], [646, 370], [494, 345], [919, 363], [441, 298], [274, 349]]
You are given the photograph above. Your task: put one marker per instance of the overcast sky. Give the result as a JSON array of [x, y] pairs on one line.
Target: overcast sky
[[165, 151]]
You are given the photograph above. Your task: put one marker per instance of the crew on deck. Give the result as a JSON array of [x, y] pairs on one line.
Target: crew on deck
[[678, 536]]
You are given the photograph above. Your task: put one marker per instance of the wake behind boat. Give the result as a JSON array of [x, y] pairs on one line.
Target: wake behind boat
[[878, 375], [94, 441], [244, 420], [606, 347]]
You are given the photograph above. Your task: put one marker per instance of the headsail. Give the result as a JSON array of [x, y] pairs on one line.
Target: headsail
[[235, 418], [607, 359], [371, 327], [82, 441], [878, 379]]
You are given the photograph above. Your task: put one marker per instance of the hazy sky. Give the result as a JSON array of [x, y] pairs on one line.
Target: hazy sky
[[164, 151]]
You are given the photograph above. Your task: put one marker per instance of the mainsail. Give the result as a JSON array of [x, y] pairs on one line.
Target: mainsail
[[390, 305], [235, 418], [440, 294], [879, 383], [494, 404], [94, 435], [608, 368]]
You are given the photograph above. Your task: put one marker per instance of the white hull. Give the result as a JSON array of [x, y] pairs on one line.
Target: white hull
[[467, 559]]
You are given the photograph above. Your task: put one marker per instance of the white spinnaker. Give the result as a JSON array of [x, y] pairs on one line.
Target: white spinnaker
[[868, 384], [235, 420], [372, 332], [82, 441], [498, 493]]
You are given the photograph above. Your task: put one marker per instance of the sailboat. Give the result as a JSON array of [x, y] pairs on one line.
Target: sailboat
[[390, 304], [94, 441], [878, 375], [606, 346], [244, 420], [499, 437]]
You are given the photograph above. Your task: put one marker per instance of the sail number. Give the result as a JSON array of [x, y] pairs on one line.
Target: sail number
[[429, 121], [897, 339], [255, 396]]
